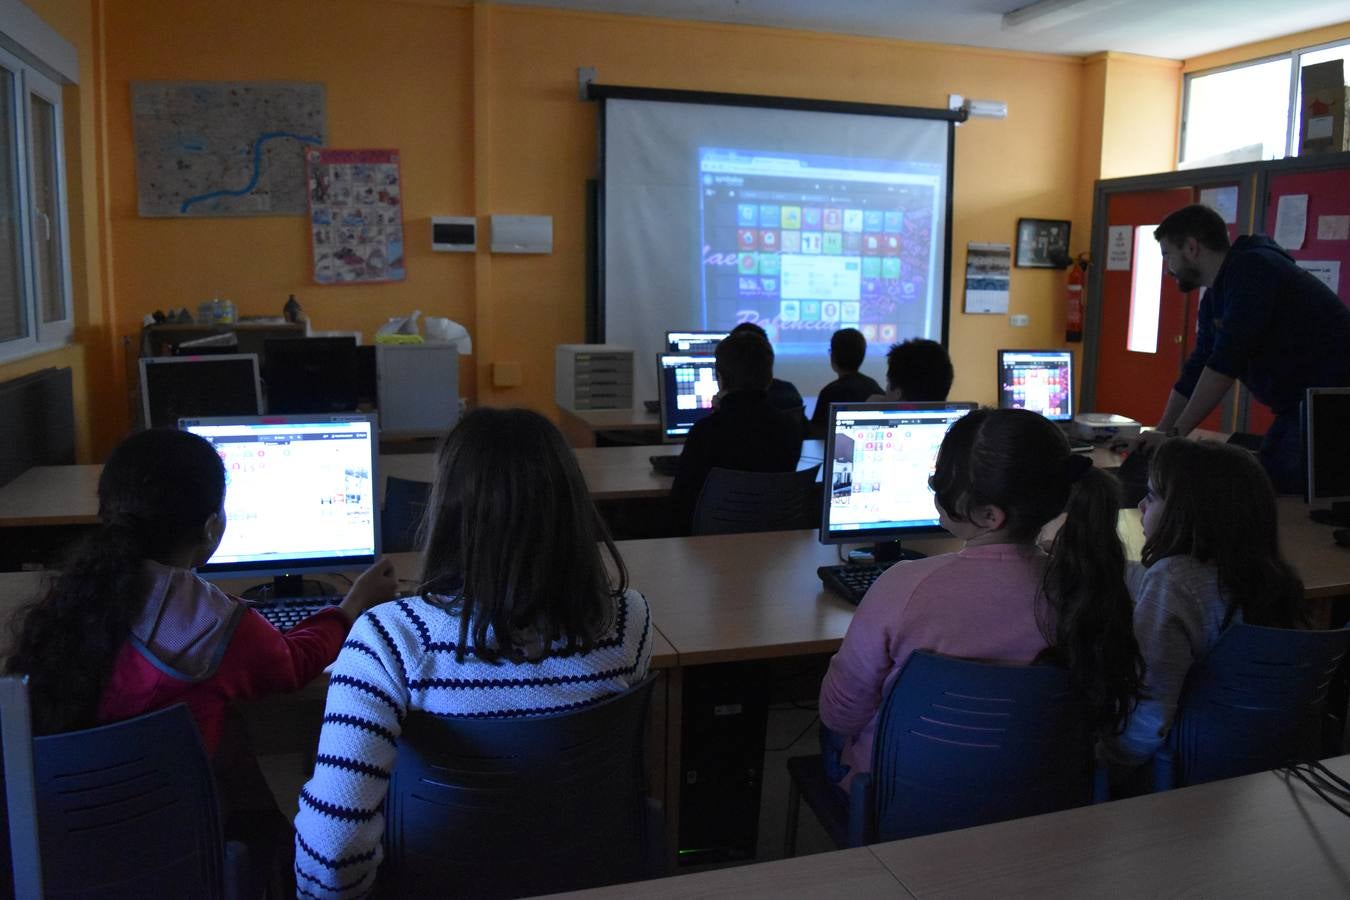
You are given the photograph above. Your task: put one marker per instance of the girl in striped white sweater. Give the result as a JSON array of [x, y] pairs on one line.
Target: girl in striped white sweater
[[518, 615]]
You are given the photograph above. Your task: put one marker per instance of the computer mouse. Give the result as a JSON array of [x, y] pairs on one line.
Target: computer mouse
[[1341, 536]]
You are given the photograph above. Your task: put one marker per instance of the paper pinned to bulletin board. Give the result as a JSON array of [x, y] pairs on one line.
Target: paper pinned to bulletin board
[[355, 216]]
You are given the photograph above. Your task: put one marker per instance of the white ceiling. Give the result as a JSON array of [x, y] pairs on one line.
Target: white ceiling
[[1171, 29]]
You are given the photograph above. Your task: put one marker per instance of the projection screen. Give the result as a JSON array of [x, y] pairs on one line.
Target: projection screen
[[804, 221]]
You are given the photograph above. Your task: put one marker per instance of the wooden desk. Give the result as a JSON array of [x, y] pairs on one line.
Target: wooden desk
[[51, 495], [580, 425], [1257, 836]]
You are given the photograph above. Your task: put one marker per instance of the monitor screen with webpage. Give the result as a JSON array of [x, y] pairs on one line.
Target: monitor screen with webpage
[[299, 493], [694, 341], [688, 384], [175, 387], [1327, 425], [878, 459], [1038, 380]]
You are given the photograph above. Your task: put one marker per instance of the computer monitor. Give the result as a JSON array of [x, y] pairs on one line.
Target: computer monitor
[[300, 493], [694, 341], [688, 384], [1327, 427], [311, 375], [1038, 380], [174, 387], [878, 459]]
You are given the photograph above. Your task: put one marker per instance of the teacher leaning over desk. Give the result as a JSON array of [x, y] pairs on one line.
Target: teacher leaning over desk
[[1262, 320]]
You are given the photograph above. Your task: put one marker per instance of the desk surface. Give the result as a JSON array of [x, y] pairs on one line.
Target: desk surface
[[51, 495], [755, 596], [1258, 836]]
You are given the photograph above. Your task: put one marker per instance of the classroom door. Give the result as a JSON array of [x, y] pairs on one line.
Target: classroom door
[[1143, 322]]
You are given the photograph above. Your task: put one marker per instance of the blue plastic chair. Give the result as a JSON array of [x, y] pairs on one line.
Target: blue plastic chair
[[405, 503], [122, 810], [735, 502], [959, 743], [1254, 703], [501, 807]]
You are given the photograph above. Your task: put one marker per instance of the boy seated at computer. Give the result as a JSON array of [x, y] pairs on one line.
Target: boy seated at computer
[[848, 347], [746, 432], [782, 394], [917, 370]]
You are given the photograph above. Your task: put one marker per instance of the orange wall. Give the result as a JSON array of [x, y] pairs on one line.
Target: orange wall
[[87, 357], [541, 148], [1142, 109], [397, 75], [481, 101]]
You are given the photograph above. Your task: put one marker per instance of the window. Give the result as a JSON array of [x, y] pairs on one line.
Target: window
[[1248, 111], [1145, 293], [35, 307]]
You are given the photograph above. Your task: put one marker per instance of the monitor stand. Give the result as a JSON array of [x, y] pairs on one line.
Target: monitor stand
[[887, 552], [1338, 515], [286, 587]]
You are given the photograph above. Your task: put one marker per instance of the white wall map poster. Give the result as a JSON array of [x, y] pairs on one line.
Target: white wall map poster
[[355, 216], [224, 148]]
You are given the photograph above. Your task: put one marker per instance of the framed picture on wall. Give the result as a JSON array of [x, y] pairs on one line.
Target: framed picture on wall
[[1042, 244]]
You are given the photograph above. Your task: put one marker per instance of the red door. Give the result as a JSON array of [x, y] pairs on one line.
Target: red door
[[1136, 382]]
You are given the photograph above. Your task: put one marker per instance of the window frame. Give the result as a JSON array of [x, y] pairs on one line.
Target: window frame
[[1291, 118], [42, 336]]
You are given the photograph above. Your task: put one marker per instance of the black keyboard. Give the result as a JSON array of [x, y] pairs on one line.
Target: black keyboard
[[666, 465], [652, 406], [850, 582], [286, 614], [1078, 445]]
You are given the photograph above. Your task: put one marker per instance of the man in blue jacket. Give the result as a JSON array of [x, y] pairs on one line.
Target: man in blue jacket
[[1263, 320]]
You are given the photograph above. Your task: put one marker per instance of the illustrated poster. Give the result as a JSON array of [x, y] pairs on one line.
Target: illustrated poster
[[356, 216]]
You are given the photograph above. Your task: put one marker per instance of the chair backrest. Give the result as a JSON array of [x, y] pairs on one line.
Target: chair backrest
[[734, 502], [405, 502], [497, 807], [962, 743], [1253, 703], [20, 810], [127, 809]]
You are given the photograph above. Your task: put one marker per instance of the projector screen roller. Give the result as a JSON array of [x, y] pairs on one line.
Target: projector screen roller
[[801, 221]]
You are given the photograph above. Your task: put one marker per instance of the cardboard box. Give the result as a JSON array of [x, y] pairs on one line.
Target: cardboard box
[[1326, 107]]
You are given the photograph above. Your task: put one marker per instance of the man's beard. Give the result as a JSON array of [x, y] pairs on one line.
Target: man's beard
[[1186, 284]]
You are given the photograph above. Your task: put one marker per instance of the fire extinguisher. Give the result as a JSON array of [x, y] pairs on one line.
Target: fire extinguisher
[[1073, 312]]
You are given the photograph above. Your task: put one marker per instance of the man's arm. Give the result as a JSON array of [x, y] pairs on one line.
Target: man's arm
[[1209, 392]]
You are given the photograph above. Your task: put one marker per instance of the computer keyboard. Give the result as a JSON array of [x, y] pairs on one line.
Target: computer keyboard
[[850, 582], [652, 406], [286, 614], [666, 465]]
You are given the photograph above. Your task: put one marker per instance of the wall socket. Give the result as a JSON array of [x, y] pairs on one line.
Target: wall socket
[[1020, 320]]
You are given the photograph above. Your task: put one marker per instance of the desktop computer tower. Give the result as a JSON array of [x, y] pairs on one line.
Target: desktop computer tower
[[417, 387], [726, 708], [593, 376]]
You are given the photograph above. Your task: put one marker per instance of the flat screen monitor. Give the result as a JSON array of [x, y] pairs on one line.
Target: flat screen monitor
[[175, 387], [688, 384], [878, 459], [300, 493], [311, 375], [694, 341], [1327, 423], [1038, 380]]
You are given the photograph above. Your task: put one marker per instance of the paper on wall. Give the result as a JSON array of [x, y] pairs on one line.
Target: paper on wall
[[1223, 200], [1333, 228], [988, 268], [1327, 271], [1119, 243], [1291, 221]]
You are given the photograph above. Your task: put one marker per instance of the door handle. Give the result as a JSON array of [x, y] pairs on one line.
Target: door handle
[[1176, 339]]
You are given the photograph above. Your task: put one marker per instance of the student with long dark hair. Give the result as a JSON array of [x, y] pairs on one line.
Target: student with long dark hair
[[128, 628], [518, 614], [1000, 476], [1211, 558]]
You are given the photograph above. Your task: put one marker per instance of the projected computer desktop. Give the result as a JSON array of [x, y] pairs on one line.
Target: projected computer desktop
[[878, 459], [300, 496]]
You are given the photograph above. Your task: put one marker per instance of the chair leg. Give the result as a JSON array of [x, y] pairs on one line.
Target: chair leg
[[794, 803]]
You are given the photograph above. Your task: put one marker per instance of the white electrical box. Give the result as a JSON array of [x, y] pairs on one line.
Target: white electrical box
[[454, 234], [522, 234], [593, 376]]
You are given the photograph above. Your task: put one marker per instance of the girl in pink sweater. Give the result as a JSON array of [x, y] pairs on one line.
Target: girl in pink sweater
[[1000, 476]]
